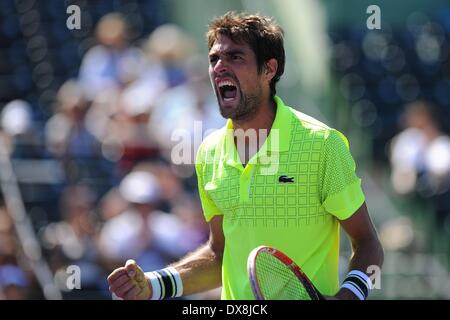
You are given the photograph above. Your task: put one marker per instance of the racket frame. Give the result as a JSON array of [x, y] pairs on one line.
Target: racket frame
[[288, 262]]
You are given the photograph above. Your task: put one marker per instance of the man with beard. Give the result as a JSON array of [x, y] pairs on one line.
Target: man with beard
[[272, 176]]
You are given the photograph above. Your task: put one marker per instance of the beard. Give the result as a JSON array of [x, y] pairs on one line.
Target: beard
[[247, 107]]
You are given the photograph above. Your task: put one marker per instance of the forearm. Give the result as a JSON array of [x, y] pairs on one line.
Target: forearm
[[365, 254], [200, 271]]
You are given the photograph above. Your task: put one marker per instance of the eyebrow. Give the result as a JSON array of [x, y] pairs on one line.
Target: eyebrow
[[230, 52]]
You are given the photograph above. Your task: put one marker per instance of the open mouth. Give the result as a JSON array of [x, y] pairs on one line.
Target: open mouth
[[228, 90]]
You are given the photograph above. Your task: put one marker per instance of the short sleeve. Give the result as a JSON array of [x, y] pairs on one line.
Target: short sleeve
[[209, 207], [341, 191]]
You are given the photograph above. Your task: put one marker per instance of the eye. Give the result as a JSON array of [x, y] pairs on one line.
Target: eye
[[212, 59], [236, 57]]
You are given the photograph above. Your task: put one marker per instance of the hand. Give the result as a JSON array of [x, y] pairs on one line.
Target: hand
[[129, 282]]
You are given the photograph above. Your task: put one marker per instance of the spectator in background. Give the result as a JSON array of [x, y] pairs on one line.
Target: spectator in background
[[132, 231], [9, 246], [131, 127], [180, 200], [13, 283], [420, 158], [111, 204], [170, 45], [142, 231], [119, 119], [69, 139], [113, 62], [73, 240], [16, 283], [66, 133]]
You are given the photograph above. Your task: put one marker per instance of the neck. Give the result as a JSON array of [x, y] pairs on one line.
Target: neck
[[263, 119]]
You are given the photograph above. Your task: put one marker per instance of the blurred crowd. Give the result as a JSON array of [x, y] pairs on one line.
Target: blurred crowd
[[420, 160], [396, 80], [96, 177]]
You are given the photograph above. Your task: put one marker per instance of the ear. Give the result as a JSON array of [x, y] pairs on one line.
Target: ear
[[270, 69]]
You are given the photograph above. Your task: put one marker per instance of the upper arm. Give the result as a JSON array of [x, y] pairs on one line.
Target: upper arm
[[340, 188], [216, 236], [359, 226], [210, 209]]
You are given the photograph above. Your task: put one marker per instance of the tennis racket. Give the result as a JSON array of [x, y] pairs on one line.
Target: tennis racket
[[274, 276]]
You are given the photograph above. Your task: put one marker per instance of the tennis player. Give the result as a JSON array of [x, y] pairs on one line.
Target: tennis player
[[292, 189]]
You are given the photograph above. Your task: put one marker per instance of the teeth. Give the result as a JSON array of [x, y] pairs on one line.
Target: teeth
[[225, 83]]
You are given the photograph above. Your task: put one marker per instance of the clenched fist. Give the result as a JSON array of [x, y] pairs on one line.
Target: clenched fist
[[129, 282]]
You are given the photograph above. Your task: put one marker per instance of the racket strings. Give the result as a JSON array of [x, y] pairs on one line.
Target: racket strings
[[277, 281]]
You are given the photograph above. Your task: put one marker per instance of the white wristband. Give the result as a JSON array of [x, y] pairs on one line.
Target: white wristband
[[178, 282], [350, 286], [364, 277], [359, 283], [165, 283]]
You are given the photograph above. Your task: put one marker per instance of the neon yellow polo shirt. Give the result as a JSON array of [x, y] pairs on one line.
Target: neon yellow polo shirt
[[290, 196]]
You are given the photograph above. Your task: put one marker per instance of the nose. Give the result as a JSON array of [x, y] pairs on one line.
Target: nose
[[220, 66]]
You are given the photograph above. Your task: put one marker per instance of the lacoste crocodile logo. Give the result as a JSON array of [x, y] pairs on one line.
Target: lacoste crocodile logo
[[285, 179]]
